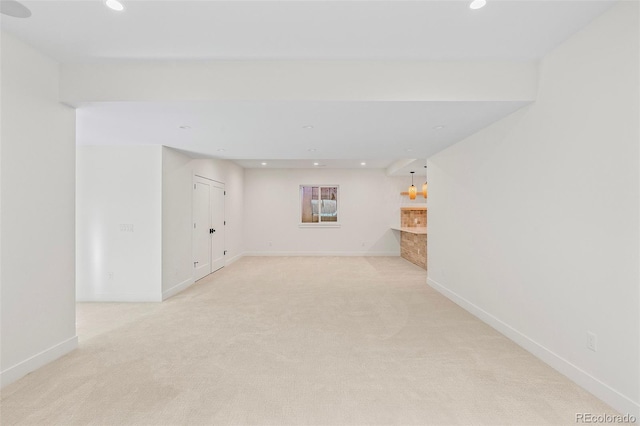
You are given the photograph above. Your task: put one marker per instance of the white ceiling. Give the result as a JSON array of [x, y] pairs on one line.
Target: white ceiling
[[344, 133], [432, 30], [252, 132]]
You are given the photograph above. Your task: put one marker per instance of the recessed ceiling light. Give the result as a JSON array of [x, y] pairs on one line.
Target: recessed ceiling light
[[311, 150], [185, 127], [363, 164], [221, 150], [264, 164], [438, 127], [408, 150], [316, 164], [114, 4], [477, 4], [307, 127]]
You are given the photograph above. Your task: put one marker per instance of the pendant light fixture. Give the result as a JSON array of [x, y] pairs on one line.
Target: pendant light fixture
[[424, 185], [412, 189]]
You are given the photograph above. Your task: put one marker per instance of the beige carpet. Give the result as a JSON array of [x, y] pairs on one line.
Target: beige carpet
[[295, 341]]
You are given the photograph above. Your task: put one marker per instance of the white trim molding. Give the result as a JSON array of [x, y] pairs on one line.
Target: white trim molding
[[177, 288], [122, 297], [324, 253], [617, 400], [31, 364], [234, 259]]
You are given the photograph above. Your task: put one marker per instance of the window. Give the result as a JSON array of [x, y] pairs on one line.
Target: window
[[319, 204]]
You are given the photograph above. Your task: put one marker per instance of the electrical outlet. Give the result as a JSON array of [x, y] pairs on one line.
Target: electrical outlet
[[592, 341], [127, 227], [269, 243], [364, 244], [110, 275]]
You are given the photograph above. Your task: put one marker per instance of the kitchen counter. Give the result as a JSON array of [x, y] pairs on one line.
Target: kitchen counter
[[413, 234], [413, 244], [418, 230]]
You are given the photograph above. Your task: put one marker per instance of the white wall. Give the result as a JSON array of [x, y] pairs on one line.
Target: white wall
[[177, 179], [37, 218], [177, 258], [280, 80], [369, 204], [148, 187], [533, 222], [118, 186]]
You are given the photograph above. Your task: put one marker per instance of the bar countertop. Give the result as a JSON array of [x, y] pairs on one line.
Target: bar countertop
[[419, 230]]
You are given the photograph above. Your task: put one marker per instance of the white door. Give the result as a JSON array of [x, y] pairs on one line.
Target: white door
[[208, 226], [218, 225], [201, 228]]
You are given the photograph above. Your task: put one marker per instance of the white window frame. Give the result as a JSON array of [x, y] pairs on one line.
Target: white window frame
[[320, 223]]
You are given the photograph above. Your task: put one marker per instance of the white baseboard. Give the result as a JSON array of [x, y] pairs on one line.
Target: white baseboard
[[177, 288], [121, 297], [30, 364], [615, 399], [322, 253], [234, 259]]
